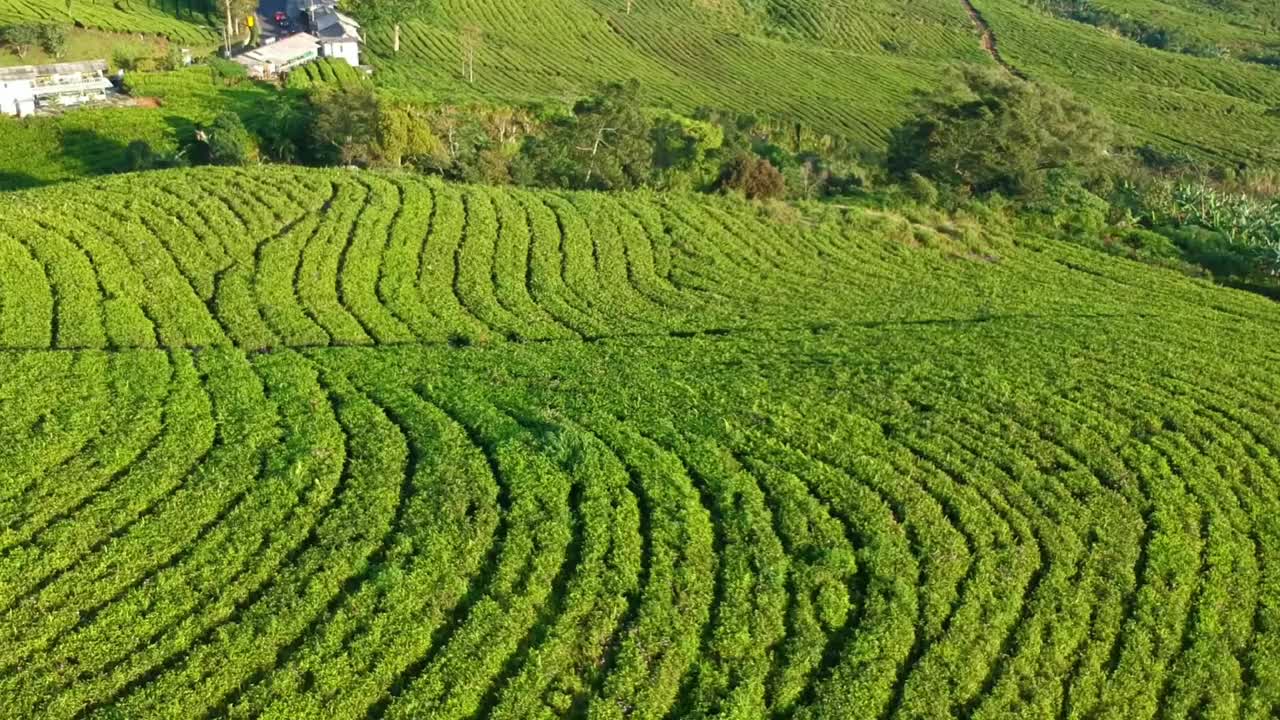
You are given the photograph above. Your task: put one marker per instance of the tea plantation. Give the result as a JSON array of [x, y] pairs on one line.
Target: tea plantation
[[325, 444]]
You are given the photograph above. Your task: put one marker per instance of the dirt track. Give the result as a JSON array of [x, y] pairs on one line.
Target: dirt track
[[989, 39]]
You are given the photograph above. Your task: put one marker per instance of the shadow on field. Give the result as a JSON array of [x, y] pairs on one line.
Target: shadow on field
[[18, 181], [91, 152]]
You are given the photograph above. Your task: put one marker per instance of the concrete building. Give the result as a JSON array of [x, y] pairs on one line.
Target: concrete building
[[28, 88], [339, 35], [281, 55]]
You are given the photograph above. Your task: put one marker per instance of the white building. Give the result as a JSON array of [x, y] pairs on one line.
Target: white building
[[339, 35], [26, 88], [281, 55]]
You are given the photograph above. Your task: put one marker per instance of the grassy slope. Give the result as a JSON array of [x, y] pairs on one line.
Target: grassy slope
[[1209, 107], [857, 466], [846, 66], [1240, 27], [92, 141], [135, 16], [93, 45]]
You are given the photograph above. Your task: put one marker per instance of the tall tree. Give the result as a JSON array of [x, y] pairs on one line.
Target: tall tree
[[604, 145], [987, 131], [20, 38], [235, 14], [471, 39], [229, 143], [393, 12]]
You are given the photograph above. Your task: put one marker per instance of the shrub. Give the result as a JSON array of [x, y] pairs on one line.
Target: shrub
[[138, 155], [1072, 209], [53, 39], [228, 72], [990, 132], [921, 189], [20, 38], [229, 142], [755, 177], [1147, 244]]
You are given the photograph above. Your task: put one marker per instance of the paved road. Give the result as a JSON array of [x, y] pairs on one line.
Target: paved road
[[267, 26]]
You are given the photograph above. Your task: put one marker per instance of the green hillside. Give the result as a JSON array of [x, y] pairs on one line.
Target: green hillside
[[843, 66], [183, 21], [325, 444], [847, 68]]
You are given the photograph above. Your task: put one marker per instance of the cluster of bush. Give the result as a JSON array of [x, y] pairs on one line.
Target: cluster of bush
[[609, 141], [21, 38], [1059, 167], [1140, 31], [1038, 155]]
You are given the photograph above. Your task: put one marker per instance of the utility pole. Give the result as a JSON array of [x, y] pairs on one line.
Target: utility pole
[[226, 29]]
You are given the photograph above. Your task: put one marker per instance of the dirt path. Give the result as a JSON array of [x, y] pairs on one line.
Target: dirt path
[[989, 39]]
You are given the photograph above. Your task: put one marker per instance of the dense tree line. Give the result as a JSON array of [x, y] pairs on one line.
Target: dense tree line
[[1048, 160], [609, 140], [21, 38]]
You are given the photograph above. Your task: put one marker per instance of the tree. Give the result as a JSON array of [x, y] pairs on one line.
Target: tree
[[472, 38], [284, 134], [236, 13], [394, 12], [139, 156], [53, 39], [754, 177], [987, 131], [603, 145], [228, 141], [404, 134], [346, 125], [682, 148], [610, 136], [20, 38]]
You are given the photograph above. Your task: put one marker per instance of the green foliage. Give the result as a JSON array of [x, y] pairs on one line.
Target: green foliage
[[138, 155], [921, 189], [1070, 208], [683, 151], [604, 144], [324, 71], [404, 135], [20, 38], [346, 124], [192, 23], [53, 39], [1231, 233], [228, 142], [227, 72], [991, 132], [755, 177]]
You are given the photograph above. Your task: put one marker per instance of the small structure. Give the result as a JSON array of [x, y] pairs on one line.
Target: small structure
[[281, 55], [27, 88], [339, 35]]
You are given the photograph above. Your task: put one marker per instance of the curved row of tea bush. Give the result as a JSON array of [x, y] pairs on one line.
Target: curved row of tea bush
[[616, 456]]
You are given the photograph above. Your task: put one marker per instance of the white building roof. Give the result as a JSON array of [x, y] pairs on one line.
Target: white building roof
[[43, 72], [334, 26], [96, 84], [282, 52]]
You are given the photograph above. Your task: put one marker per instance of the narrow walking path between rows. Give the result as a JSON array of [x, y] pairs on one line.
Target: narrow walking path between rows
[[989, 40]]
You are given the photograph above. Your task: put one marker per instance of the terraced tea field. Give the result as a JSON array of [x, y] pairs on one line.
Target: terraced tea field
[[844, 66], [183, 21], [305, 444]]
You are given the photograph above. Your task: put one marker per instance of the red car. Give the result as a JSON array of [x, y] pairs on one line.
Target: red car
[[281, 17]]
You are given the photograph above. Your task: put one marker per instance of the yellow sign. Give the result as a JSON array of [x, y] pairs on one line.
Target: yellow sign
[[250, 20]]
